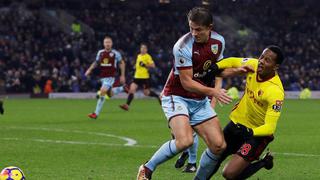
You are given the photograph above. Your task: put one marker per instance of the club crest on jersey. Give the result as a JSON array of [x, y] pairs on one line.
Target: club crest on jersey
[[206, 65], [277, 107], [214, 48], [111, 54]]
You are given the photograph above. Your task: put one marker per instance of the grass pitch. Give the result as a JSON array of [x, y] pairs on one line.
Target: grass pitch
[[54, 139]]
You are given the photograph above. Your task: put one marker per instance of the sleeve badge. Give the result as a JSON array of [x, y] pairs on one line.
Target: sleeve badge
[[277, 106]]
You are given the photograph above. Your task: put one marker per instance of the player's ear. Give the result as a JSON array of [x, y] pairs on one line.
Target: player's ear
[[210, 26]]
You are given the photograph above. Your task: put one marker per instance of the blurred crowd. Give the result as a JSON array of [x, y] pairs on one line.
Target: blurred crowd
[[37, 57]]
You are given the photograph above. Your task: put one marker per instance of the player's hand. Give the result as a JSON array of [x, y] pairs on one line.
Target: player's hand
[[87, 73], [122, 79], [142, 64], [245, 69], [244, 131], [222, 96], [213, 102]]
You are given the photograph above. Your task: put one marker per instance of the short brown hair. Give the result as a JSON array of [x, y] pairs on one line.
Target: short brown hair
[[200, 16]]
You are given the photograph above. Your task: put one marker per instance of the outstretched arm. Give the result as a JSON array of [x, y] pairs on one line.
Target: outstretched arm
[[89, 70], [240, 71], [217, 85]]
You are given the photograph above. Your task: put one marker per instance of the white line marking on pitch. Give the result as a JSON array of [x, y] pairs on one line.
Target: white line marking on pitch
[[297, 154], [129, 141]]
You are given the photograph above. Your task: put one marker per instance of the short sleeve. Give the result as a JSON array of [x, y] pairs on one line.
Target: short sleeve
[[223, 44], [118, 56], [182, 57], [98, 56], [149, 60]]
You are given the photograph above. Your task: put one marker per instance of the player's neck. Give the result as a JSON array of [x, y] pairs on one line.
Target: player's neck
[[265, 77], [108, 50]]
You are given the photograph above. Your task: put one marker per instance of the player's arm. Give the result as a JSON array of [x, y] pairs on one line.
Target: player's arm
[[149, 63], [152, 65], [232, 66], [191, 85], [217, 85], [122, 66], [275, 100], [92, 66]]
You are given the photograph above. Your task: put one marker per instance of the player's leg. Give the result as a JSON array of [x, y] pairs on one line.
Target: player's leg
[[148, 92], [182, 158], [266, 162], [106, 86], [1, 107], [212, 135], [205, 122], [233, 141], [119, 89], [234, 167], [241, 166], [190, 154], [183, 139], [176, 111], [191, 167], [133, 88]]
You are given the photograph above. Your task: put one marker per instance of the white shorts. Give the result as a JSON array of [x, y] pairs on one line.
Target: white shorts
[[198, 111]]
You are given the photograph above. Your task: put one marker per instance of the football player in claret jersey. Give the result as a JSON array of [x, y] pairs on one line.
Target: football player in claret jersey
[[107, 60], [253, 119], [185, 96], [141, 77]]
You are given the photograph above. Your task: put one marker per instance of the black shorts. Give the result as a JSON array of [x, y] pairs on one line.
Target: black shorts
[[248, 148], [142, 83]]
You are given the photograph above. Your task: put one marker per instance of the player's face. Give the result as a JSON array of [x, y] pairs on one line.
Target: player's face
[[143, 49], [107, 43], [199, 32], [267, 63]]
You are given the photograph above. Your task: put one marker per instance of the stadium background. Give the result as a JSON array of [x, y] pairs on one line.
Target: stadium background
[[37, 42], [53, 138]]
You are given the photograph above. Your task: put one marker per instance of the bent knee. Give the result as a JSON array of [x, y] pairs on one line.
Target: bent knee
[[219, 147], [228, 174], [103, 91], [184, 143]]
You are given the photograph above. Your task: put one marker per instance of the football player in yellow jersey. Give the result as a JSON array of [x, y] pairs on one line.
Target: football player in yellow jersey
[[141, 77], [253, 119]]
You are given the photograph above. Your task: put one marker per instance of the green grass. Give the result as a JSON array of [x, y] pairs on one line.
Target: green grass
[[53, 139]]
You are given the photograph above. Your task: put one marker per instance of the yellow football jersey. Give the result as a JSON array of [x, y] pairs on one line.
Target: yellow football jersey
[[142, 72], [260, 106]]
